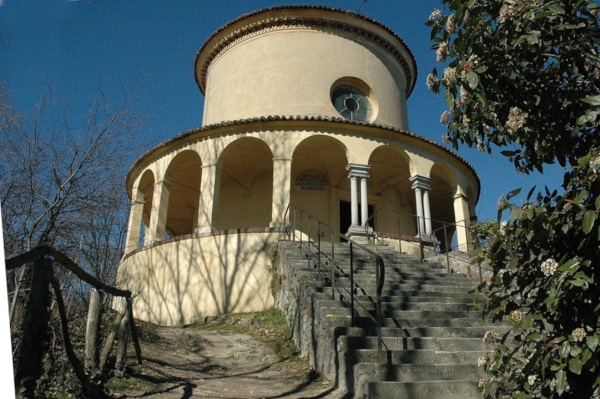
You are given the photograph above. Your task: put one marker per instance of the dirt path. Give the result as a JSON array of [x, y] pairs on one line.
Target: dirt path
[[190, 363]]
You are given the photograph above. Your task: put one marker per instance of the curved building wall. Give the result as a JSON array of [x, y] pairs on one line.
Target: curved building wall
[[304, 105], [290, 61], [272, 80]]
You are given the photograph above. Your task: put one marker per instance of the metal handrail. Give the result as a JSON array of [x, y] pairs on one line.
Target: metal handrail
[[444, 228], [317, 244]]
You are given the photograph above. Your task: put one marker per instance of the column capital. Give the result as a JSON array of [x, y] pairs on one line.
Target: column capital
[[461, 196], [421, 182], [358, 170]]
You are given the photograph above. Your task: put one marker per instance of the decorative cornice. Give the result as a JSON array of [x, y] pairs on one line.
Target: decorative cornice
[[291, 121], [299, 18]]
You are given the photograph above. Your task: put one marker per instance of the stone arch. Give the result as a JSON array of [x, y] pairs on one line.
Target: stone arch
[[318, 167], [183, 178], [244, 185], [441, 198], [140, 213], [390, 187]]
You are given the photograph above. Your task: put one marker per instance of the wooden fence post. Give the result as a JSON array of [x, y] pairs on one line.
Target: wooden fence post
[[36, 334], [123, 337], [92, 338]]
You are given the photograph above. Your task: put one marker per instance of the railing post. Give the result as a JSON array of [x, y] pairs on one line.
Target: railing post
[[332, 265], [309, 240], [380, 277], [446, 246], [319, 247], [301, 226], [399, 230], [351, 285], [294, 226]]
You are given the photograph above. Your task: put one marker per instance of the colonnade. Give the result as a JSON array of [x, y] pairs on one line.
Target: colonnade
[[357, 174]]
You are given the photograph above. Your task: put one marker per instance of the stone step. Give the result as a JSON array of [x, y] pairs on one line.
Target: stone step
[[417, 356], [411, 372], [395, 302], [431, 339], [391, 295], [397, 343], [391, 289], [458, 389], [394, 319], [393, 309]]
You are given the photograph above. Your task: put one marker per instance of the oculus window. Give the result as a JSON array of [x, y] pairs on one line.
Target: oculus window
[[351, 102]]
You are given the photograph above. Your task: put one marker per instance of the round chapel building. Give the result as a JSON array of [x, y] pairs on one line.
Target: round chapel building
[[303, 105]]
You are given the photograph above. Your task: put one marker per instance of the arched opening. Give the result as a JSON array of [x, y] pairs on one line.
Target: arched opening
[[443, 188], [246, 185], [318, 167], [389, 183], [183, 178], [141, 210]]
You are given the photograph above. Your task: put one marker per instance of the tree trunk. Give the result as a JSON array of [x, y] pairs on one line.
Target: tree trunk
[[92, 337], [36, 333]]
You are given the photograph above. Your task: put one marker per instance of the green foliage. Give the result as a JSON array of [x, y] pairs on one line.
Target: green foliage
[[524, 76], [546, 284], [484, 232]]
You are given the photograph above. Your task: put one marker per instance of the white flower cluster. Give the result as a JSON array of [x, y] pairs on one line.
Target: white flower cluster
[[481, 361], [445, 118], [578, 334], [449, 76], [503, 227], [516, 119], [435, 15], [516, 316], [507, 11], [489, 337], [549, 267], [532, 379], [464, 95], [482, 383], [431, 81], [451, 24], [442, 52]]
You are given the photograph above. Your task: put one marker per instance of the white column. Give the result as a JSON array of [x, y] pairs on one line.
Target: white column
[[353, 202], [158, 216], [420, 216], [421, 185], [364, 202], [208, 197], [134, 226], [282, 171], [462, 220], [427, 212], [355, 172]]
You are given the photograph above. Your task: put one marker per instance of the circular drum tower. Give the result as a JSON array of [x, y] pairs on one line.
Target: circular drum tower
[[303, 105]]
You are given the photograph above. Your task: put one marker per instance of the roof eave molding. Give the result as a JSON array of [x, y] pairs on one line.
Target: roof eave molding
[[315, 17]]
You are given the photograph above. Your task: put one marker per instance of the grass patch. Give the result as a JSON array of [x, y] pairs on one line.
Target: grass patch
[[119, 384], [268, 326]]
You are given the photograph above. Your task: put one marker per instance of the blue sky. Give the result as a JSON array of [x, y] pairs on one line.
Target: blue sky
[[79, 47]]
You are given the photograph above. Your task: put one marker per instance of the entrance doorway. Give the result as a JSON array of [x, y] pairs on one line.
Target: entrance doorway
[[346, 216]]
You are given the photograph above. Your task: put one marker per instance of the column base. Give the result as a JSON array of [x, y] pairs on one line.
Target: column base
[[359, 233], [203, 231]]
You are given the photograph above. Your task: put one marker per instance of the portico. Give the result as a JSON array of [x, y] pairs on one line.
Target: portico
[[209, 203]]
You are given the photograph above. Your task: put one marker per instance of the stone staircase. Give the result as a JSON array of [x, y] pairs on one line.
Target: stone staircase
[[431, 341]]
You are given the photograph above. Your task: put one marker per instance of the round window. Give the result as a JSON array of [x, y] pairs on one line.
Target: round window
[[351, 103]]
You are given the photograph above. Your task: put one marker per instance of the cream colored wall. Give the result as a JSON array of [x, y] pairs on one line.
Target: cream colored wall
[[180, 282], [253, 206], [267, 75]]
